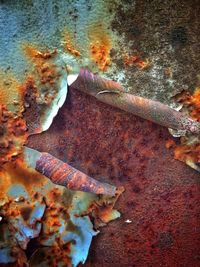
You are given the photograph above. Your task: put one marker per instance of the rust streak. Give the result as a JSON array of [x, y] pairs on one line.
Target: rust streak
[[100, 46], [69, 47]]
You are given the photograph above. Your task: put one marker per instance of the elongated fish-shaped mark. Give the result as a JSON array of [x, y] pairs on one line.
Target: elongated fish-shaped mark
[[63, 174], [114, 94]]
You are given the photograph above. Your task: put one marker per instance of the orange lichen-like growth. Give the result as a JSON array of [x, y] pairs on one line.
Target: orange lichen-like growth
[[188, 153], [100, 47], [102, 210], [12, 134], [192, 102], [43, 85], [45, 69], [135, 60], [69, 47], [169, 143], [184, 152]]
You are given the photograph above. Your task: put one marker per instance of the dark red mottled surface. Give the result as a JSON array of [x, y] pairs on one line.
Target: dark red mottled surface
[[162, 197]]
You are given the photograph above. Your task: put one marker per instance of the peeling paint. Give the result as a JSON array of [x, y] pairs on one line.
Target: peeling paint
[[55, 217], [44, 46]]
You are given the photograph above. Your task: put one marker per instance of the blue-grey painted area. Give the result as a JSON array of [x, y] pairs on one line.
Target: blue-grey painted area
[[16, 191], [5, 256], [42, 23]]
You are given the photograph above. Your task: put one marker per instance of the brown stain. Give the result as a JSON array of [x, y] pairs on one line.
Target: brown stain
[[168, 72], [55, 195], [100, 46], [52, 256], [26, 212], [20, 173]]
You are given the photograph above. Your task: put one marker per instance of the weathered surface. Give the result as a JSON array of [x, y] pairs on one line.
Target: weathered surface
[[167, 33], [112, 93], [152, 48], [162, 195], [38, 218]]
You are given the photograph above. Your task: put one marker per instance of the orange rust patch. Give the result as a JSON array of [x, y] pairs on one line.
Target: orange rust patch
[[51, 219], [187, 153], [100, 47], [192, 102], [12, 134], [35, 54], [135, 60], [69, 47], [102, 209], [169, 143], [104, 213], [184, 152], [12, 212], [44, 68], [42, 85]]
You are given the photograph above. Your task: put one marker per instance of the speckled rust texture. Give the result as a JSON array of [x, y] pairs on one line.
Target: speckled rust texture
[[162, 197], [167, 33]]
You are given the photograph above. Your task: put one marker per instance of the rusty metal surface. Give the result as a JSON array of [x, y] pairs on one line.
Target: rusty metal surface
[[152, 49], [113, 94], [160, 208], [167, 34], [38, 218]]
